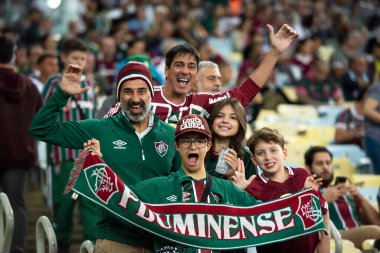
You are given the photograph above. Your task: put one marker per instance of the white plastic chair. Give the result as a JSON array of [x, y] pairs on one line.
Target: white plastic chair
[[87, 247], [44, 230], [7, 224], [335, 235]]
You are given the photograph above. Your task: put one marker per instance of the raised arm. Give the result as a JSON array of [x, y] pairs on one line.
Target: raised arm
[[280, 42]]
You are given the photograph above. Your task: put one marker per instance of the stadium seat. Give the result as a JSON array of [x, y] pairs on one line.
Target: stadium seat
[[353, 153], [6, 223], [343, 167], [298, 111], [44, 230], [87, 247]]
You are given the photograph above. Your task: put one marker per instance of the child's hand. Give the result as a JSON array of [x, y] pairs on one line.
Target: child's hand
[[94, 146], [313, 181], [238, 177]]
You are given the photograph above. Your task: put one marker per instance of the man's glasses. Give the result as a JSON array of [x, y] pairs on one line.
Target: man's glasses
[[199, 143]]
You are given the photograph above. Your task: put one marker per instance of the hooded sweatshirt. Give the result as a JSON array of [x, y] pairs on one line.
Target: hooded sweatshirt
[[19, 102]]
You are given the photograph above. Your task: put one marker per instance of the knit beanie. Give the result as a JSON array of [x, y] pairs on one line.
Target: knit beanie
[[134, 70]]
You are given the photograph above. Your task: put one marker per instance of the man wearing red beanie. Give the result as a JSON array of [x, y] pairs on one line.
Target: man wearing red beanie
[[134, 139]]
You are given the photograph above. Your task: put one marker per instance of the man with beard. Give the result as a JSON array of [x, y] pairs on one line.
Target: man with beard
[[172, 101], [350, 212], [134, 139]]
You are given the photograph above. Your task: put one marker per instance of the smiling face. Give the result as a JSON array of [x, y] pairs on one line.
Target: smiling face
[[269, 156], [193, 148], [209, 79], [135, 99], [181, 75], [226, 123]]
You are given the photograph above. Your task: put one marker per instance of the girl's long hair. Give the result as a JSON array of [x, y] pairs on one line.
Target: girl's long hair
[[237, 141]]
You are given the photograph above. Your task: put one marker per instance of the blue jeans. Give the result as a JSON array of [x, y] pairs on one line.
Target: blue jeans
[[13, 182], [372, 149]]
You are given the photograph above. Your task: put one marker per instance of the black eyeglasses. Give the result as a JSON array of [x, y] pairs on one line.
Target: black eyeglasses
[[199, 143]]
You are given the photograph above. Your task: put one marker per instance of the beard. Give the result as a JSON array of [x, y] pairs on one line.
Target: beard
[[135, 117], [326, 182]]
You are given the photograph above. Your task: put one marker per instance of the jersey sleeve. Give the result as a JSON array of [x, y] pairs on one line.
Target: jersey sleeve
[[49, 88], [45, 127]]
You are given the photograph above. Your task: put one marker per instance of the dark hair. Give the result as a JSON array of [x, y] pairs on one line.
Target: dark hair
[[184, 48], [236, 141], [45, 56], [265, 134], [6, 50], [309, 154], [73, 44]]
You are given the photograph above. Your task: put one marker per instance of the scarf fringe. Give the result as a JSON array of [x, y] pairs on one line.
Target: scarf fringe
[[75, 172]]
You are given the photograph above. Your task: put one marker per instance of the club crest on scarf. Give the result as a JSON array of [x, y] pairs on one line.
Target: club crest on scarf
[[309, 211], [102, 181], [161, 148]]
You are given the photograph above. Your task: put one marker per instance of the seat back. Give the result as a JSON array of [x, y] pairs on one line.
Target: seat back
[[6, 223], [87, 247], [44, 230]]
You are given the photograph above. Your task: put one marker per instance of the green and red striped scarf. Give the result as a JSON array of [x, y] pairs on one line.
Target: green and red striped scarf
[[207, 226]]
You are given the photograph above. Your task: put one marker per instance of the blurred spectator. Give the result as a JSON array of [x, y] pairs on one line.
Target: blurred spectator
[[106, 63], [356, 78], [252, 56], [119, 33], [33, 52], [207, 53], [373, 48], [350, 211], [208, 77], [138, 25], [27, 27], [100, 81], [303, 59], [318, 87], [47, 65], [227, 72], [78, 107], [349, 126], [21, 59], [50, 43], [371, 111], [19, 102], [348, 46]]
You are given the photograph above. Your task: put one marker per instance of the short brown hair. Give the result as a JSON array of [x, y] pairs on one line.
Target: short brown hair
[[265, 134]]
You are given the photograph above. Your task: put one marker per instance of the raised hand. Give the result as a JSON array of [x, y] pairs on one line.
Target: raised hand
[[94, 146], [238, 177], [333, 193], [312, 181], [70, 82], [281, 40]]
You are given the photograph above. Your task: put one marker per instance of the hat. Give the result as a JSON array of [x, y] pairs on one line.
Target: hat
[[192, 123], [134, 70]]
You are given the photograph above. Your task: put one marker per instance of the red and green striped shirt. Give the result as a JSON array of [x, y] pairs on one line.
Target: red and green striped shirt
[[77, 108]]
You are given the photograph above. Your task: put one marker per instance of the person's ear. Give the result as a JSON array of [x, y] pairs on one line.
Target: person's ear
[[208, 146], [176, 146], [166, 72], [285, 152]]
